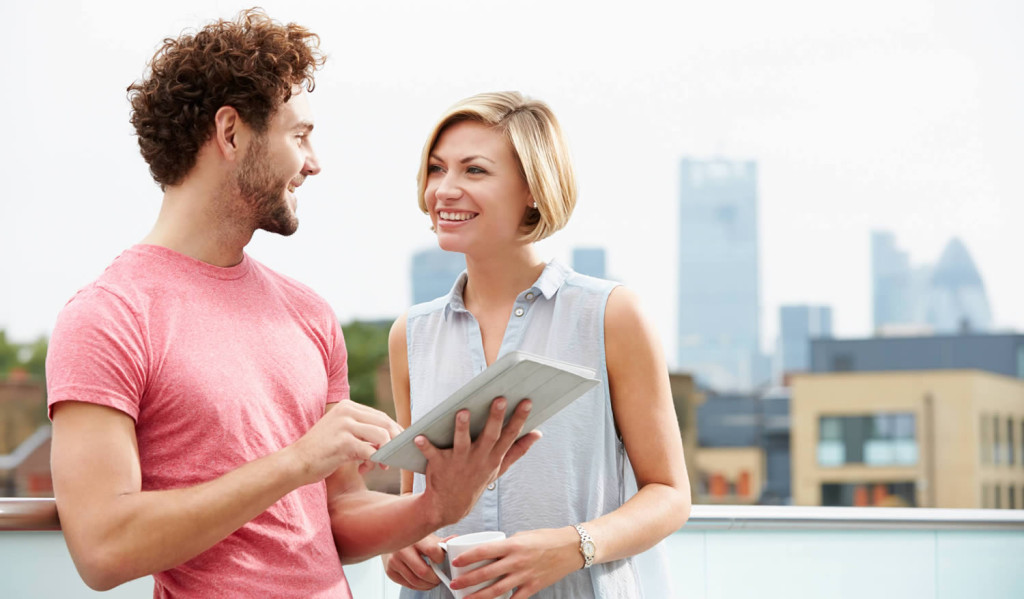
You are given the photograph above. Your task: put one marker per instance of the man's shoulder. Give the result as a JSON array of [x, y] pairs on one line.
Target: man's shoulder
[[114, 283], [290, 287]]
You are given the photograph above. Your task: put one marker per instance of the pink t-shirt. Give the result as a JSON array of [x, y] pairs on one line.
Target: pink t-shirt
[[218, 367]]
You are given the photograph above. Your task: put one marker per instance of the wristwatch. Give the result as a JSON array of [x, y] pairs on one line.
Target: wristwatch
[[587, 547]]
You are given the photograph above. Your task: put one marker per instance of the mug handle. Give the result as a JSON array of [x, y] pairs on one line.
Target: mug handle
[[437, 569]]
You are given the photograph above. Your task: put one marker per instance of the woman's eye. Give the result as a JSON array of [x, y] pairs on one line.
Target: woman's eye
[[435, 168], [475, 170]]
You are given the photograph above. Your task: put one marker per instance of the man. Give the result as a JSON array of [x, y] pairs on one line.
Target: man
[[202, 427]]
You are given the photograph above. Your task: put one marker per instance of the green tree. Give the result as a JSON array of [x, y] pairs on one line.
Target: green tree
[[8, 355], [34, 356], [367, 344], [28, 357]]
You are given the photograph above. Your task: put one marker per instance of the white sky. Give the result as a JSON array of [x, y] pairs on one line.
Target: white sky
[[878, 114]]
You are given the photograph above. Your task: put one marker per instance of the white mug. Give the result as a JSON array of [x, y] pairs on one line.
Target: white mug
[[455, 547]]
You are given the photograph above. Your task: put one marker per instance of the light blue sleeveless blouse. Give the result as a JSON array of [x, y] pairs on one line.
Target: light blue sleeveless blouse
[[579, 469]]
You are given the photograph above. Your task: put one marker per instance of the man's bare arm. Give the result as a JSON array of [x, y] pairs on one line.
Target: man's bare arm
[[116, 532]]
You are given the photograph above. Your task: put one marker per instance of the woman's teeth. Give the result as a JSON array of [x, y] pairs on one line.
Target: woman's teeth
[[457, 215]]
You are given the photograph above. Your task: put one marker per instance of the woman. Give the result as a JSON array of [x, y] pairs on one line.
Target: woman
[[495, 177]]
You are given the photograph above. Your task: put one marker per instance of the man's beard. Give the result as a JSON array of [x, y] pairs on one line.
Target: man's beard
[[264, 195]]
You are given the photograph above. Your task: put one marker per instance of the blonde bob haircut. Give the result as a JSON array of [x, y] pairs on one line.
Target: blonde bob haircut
[[539, 145]]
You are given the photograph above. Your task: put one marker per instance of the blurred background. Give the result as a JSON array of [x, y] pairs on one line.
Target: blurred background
[[820, 206]]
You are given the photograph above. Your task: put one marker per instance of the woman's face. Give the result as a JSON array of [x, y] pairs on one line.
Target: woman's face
[[475, 195]]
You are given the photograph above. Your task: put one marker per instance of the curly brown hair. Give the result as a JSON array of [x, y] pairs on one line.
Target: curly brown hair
[[250, 63]]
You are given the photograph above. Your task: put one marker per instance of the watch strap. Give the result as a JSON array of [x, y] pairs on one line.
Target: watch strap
[[587, 546]]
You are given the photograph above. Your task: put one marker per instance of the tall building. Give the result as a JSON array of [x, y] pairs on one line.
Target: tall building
[[719, 287], [957, 301], [947, 297], [434, 272], [891, 278], [589, 261], [797, 326]]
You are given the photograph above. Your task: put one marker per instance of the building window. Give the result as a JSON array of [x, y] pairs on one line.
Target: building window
[[1011, 498], [831, 451], [997, 449], [1011, 449], [901, 494], [997, 497], [986, 441], [877, 440], [986, 499]]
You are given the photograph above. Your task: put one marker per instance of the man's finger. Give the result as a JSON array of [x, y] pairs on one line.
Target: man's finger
[[372, 416], [426, 447], [462, 439], [368, 433], [492, 430], [515, 424]]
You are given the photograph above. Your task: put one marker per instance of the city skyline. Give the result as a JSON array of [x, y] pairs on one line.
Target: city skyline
[[719, 283], [902, 117]]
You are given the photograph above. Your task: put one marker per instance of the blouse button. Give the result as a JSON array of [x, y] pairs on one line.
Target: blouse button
[[520, 311], [490, 487], [530, 296]]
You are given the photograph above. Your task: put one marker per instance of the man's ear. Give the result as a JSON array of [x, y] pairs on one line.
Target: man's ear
[[228, 129]]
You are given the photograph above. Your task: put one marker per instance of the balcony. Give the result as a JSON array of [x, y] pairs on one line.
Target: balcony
[[722, 552]]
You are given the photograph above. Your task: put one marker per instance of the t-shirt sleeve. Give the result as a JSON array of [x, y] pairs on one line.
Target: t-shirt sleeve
[[337, 366], [97, 353]]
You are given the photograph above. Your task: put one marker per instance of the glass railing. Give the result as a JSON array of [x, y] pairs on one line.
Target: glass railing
[[722, 552]]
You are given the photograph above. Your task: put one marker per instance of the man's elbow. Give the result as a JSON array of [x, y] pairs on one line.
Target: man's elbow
[[101, 570]]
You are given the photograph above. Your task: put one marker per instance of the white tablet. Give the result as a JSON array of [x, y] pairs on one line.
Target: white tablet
[[549, 384]]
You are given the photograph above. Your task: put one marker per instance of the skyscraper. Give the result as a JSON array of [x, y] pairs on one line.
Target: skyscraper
[[947, 297], [797, 326], [719, 287], [899, 290], [957, 301], [434, 272], [589, 261]]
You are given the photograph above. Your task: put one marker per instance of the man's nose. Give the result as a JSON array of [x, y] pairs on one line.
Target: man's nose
[[312, 166]]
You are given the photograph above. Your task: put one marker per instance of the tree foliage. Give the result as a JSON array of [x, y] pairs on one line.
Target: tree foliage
[[29, 358], [367, 344]]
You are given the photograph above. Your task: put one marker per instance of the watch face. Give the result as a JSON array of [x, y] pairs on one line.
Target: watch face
[[589, 549]]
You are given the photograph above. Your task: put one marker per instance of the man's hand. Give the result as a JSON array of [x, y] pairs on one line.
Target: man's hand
[[456, 477], [348, 432]]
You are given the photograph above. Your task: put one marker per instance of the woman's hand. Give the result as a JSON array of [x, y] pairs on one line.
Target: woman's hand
[[407, 568], [527, 561]]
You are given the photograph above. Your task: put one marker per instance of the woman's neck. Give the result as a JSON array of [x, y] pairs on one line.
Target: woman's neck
[[496, 280]]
